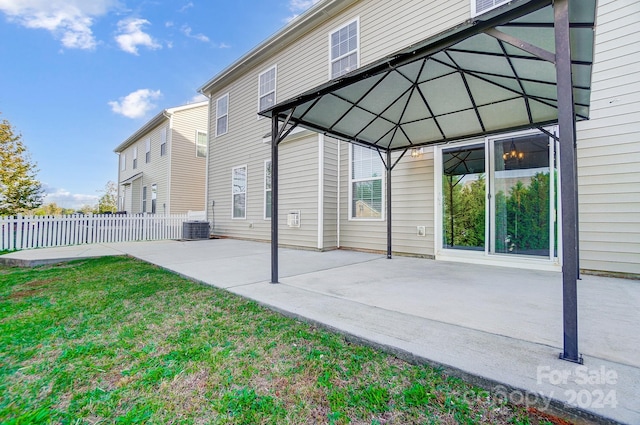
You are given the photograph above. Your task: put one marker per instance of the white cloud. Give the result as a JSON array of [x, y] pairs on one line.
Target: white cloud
[[186, 6], [299, 6], [136, 104], [131, 36], [64, 198], [68, 20], [223, 46], [186, 30]]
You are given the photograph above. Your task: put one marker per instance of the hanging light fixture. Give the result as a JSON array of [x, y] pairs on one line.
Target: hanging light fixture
[[416, 152], [513, 153]]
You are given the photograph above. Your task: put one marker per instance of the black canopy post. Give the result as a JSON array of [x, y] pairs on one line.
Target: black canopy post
[[568, 175], [389, 168], [275, 135]]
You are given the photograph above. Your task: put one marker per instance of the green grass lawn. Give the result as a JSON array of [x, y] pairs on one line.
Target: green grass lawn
[[115, 340]]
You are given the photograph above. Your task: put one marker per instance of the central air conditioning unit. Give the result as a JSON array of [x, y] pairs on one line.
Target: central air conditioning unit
[[293, 218], [193, 230]]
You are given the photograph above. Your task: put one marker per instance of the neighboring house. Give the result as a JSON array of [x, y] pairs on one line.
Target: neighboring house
[[336, 190], [162, 166]]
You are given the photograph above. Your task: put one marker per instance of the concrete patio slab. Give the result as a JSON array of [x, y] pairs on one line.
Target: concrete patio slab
[[498, 327]]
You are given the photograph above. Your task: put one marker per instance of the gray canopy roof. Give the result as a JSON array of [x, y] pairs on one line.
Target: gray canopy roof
[[493, 73]]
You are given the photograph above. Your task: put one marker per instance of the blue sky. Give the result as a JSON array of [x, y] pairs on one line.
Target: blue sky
[[77, 77]]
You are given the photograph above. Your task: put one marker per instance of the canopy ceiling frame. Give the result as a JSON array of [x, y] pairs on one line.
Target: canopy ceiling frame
[[525, 64]]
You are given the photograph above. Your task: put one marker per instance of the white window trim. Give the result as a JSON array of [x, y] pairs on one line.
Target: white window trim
[[224, 115], [206, 145], [123, 161], [246, 183], [383, 178], [331, 60], [266, 161], [275, 87], [144, 199], [484, 257], [475, 12]]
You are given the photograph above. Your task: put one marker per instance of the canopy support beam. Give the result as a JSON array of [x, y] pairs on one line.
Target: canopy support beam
[[389, 168], [277, 135], [568, 175]]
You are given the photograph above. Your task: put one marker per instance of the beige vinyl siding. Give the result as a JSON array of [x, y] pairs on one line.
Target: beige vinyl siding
[[609, 145], [302, 65], [412, 186], [299, 190], [136, 196], [358, 233], [187, 169], [154, 172], [330, 198]]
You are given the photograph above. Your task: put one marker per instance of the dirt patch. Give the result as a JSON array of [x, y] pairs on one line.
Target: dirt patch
[[39, 283], [24, 294]]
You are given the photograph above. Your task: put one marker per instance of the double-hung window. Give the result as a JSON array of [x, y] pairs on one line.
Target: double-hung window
[[163, 141], [144, 199], [239, 191], [201, 144], [123, 161], [267, 89], [135, 157], [267, 189], [222, 115], [147, 150], [366, 175], [344, 44]]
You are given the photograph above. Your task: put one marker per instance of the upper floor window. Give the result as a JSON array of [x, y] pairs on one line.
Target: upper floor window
[[267, 89], [147, 150], [366, 174], [481, 6], [201, 144], [344, 49], [135, 157], [123, 161], [163, 141], [222, 115]]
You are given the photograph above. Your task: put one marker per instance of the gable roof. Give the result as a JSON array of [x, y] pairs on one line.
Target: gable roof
[[161, 117], [314, 16]]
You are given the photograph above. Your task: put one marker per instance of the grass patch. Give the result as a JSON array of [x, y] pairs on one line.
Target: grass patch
[[116, 340]]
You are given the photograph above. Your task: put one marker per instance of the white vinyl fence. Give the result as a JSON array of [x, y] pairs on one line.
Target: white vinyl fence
[[25, 232]]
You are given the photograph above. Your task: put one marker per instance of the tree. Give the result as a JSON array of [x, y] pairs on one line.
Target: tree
[[108, 202], [20, 191]]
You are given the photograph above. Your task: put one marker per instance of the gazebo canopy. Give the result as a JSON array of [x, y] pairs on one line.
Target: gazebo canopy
[[493, 73], [524, 64]]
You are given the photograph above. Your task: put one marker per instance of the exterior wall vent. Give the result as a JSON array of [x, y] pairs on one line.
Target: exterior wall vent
[[293, 218]]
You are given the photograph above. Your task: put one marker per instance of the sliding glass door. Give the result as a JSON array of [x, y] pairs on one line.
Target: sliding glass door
[[499, 197]]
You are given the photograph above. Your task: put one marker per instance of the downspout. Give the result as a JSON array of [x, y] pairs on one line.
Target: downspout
[[206, 168], [339, 144], [320, 191], [168, 133]]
